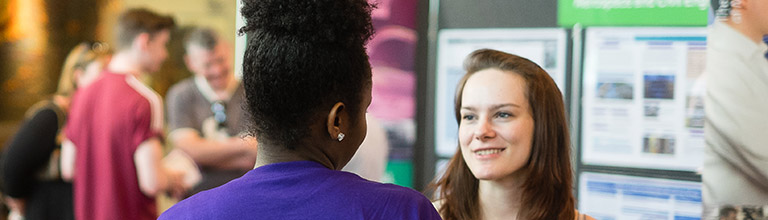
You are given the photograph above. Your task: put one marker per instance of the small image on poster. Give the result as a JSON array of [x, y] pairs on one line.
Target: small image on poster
[[614, 86], [659, 144], [659, 86]]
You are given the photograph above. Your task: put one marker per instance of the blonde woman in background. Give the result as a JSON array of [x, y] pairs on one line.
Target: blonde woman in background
[[31, 177]]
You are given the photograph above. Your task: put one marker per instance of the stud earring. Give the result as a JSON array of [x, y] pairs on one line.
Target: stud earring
[[340, 136]]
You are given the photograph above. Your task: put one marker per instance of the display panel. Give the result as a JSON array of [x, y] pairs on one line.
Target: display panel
[[544, 46], [642, 103], [612, 197]]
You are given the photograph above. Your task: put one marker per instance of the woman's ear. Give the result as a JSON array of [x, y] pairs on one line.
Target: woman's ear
[[334, 120]]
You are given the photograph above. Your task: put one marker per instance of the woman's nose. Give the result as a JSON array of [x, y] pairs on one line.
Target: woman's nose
[[484, 131]]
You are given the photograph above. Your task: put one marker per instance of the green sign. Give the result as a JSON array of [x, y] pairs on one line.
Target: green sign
[[632, 12], [401, 172]]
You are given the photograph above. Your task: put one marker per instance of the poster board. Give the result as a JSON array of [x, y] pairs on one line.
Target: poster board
[[611, 197], [642, 99]]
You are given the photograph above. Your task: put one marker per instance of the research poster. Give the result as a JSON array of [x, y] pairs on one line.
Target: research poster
[[613, 197], [544, 46], [642, 103]]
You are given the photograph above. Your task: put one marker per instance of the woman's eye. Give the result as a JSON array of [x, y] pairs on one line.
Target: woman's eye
[[503, 115], [468, 117]]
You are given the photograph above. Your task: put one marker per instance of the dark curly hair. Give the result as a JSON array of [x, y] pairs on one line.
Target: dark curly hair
[[302, 57]]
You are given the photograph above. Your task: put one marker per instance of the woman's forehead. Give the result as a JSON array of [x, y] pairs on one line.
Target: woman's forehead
[[493, 87]]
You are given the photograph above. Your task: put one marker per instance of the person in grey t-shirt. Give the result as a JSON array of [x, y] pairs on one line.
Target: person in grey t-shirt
[[205, 116]]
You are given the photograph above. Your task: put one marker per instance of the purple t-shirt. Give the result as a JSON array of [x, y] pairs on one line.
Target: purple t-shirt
[[303, 190]]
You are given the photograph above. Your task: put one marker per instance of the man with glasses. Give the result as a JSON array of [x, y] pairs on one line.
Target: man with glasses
[[205, 115]]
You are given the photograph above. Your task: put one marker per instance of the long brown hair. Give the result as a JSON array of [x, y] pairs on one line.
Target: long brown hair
[[547, 191], [78, 59]]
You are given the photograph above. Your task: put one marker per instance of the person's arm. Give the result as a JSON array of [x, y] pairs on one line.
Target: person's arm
[[18, 206], [225, 154], [67, 163], [29, 151], [152, 176], [736, 122]]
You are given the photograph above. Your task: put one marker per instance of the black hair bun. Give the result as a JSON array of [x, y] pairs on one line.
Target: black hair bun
[[339, 22]]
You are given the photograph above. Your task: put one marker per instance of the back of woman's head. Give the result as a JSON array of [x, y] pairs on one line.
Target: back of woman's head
[[78, 58], [547, 189], [303, 56]]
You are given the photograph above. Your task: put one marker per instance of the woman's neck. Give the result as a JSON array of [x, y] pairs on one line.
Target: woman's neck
[[501, 199], [270, 154], [62, 102]]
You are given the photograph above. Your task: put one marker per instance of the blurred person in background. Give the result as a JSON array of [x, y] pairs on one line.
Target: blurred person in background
[[370, 160], [307, 83], [735, 167], [113, 138], [513, 159], [30, 170], [205, 112], [728, 213]]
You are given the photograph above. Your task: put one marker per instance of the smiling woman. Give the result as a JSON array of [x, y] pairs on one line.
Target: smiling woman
[[495, 130], [513, 160]]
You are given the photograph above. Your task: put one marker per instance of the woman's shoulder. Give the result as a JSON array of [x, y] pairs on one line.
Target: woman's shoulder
[[384, 189], [438, 204], [44, 105], [582, 216], [47, 112]]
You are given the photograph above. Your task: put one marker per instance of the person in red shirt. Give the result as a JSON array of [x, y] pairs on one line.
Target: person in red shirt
[[113, 145]]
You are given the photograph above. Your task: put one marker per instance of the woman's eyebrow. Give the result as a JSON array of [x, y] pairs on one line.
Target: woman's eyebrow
[[493, 107]]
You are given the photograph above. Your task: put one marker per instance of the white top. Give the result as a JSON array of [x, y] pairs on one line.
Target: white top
[[736, 130], [370, 161], [210, 95]]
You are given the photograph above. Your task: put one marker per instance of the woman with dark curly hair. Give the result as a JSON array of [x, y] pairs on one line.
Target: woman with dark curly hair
[[307, 81], [513, 159]]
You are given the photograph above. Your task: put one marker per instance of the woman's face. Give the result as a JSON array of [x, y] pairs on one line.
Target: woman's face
[[496, 128]]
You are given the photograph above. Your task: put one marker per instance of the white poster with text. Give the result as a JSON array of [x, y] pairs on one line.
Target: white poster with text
[[642, 103]]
